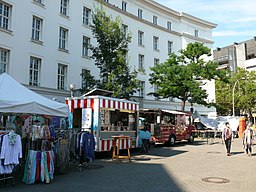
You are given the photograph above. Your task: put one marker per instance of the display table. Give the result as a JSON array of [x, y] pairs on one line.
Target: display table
[[116, 148]]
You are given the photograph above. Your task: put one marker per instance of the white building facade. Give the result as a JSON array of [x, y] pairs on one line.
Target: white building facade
[[42, 43]]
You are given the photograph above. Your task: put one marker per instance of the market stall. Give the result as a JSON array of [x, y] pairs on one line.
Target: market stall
[[105, 117], [19, 105]]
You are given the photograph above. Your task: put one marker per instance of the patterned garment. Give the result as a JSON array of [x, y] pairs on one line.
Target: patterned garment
[[12, 138]]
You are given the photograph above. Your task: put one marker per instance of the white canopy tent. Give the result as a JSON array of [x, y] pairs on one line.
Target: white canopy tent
[[208, 123], [16, 98]]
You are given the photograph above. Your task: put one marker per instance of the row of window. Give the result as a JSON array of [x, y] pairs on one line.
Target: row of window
[[154, 18], [155, 42], [35, 69], [64, 10], [63, 36], [37, 25], [5, 16], [140, 15]]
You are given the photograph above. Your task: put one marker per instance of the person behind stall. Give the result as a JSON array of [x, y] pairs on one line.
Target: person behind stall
[[144, 139], [148, 138]]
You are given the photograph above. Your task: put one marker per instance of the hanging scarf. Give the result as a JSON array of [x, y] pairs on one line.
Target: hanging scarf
[[12, 138]]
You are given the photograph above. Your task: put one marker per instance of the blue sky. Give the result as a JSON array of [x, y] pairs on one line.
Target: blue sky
[[235, 19]]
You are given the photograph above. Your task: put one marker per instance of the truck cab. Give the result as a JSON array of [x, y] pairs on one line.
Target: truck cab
[[169, 126]]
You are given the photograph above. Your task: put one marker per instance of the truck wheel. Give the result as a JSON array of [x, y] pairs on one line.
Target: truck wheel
[[191, 139], [172, 140]]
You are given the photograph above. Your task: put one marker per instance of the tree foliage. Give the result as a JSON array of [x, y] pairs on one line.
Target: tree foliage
[[88, 81], [244, 93], [110, 55], [223, 95], [181, 76]]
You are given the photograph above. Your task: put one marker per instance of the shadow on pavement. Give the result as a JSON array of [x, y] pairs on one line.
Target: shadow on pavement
[[111, 177], [237, 152]]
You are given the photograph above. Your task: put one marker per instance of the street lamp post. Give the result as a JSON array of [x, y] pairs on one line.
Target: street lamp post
[[72, 88], [233, 95]]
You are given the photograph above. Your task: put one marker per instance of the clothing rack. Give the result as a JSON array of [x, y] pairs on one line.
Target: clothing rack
[[5, 177], [85, 158]]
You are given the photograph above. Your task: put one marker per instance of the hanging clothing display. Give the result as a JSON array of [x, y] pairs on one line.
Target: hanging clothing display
[[40, 157], [82, 146], [61, 150], [39, 167], [10, 152], [87, 145]]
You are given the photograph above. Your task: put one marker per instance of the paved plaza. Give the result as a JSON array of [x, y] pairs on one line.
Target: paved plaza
[[184, 167]]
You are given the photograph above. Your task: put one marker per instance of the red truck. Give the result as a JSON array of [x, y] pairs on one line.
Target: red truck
[[168, 126]]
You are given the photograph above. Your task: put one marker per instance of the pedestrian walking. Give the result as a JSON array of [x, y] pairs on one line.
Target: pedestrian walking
[[248, 139], [227, 136]]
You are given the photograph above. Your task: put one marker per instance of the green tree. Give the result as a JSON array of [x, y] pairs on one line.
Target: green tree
[[223, 95], [181, 76], [110, 55], [244, 93], [88, 81]]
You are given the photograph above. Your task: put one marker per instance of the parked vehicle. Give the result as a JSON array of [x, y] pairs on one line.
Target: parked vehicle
[[168, 126]]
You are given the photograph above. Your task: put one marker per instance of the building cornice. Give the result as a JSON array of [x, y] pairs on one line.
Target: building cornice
[[162, 8], [197, 38], [139, 20], [181, 15], [168, 10], [48, 91], [197, 20]]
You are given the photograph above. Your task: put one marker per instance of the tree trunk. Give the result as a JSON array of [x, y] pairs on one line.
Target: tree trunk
[[183, 105]]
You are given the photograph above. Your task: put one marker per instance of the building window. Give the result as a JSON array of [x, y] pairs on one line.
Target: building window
[[140, 38], [4, 60], [196, 33], [85, 47], [155, 20], [155, 43], [86, 16], [169, 25], [141, 61], [39, 1], [62, 76], [63, 38], [125, 30], [170, 44], [85, 73], [142, 89], [34, 71], [140, 13], [156, 61], [5, 11], [124, 5], [36, 28], [64, 7]]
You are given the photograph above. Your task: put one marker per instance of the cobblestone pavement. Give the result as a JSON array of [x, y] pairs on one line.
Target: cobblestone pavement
[[182, 168]]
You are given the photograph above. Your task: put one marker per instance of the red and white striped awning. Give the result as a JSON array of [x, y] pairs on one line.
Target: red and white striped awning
[[104, 102]]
